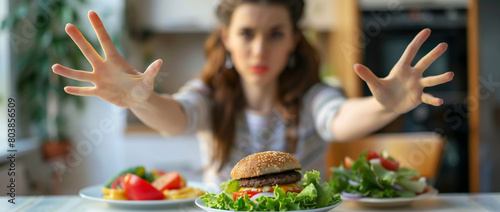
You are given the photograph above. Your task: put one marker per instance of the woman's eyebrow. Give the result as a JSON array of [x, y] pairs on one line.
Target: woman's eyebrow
[[249, 28], [246, 28], [277, 27]]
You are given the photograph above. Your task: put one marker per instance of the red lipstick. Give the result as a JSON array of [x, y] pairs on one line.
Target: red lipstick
[[259, 69]]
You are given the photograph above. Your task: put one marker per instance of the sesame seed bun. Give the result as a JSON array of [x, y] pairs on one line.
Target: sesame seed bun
[[263, 163]]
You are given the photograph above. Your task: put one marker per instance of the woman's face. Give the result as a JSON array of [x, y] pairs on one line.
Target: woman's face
[[260, 39]]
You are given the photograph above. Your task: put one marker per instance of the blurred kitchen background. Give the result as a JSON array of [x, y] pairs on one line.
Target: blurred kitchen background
[[98, 139]]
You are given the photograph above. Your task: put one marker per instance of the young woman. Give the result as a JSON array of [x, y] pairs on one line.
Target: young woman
[[259, 89]]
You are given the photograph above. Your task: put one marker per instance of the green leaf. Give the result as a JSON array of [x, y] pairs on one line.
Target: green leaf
[[381, 173], [330, 197], [46, 40], [407, 194], [67, 16], [417, 186], [309, 194], [311, 197], [374, 180], [230, 186], [310, 177], [22, 10], [404, 172], [7, 23]]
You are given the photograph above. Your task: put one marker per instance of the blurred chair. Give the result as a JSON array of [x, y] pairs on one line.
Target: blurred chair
[[421, 151]]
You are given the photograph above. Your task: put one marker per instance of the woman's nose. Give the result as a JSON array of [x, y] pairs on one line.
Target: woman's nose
[[259, 49]]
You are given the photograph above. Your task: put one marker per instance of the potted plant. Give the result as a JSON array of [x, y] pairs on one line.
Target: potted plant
[[39, 91]]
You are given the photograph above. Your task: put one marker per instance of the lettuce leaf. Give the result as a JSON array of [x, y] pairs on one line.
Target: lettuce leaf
[[230, 186], [371, 179], [382, 173], [219, 201], [312, 196], [404, 172], [413, 185]]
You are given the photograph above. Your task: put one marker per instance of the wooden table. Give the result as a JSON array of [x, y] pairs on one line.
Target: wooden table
[[443, 202]]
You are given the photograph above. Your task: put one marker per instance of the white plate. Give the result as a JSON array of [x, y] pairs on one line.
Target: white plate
[[391, 202], [200, 203], [95, 193]]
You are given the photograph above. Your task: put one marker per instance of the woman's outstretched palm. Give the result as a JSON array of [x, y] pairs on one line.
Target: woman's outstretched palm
[[402, 90], [115, 80]]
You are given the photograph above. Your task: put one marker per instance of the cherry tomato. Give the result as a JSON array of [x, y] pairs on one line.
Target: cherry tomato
[[386, 163], [372, 155], [389, 164], [171, 180], [348, 163], [138, 189]]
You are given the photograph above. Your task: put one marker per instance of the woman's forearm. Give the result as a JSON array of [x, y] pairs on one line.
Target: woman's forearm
[[162, 113], [358, 117]]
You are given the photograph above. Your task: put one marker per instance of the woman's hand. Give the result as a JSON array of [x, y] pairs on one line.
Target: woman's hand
[[115, 80], [402, 90]]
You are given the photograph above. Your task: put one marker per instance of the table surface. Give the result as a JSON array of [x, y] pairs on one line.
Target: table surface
[[442, 202]]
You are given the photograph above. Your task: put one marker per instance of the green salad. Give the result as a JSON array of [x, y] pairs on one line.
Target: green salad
[[312, 196], [374, 175]]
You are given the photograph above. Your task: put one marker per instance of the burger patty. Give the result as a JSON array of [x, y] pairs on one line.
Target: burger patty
[[271, 179]]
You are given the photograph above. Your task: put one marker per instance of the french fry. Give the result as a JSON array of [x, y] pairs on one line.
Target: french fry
[[194, 193], [183, 193]]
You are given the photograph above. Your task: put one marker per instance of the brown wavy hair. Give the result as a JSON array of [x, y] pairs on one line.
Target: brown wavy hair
[[227, 93]]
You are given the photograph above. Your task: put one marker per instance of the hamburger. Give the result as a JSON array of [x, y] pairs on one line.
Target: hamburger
[[261, 172], [269, 181]]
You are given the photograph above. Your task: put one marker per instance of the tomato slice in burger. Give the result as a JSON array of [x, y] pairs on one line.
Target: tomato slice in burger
[[250, 194]]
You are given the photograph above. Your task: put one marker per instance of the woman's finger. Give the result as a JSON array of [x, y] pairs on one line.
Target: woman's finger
[[367, 75], [437, 80], [80, 91], [413, 47], [152, 71], [104, 39], [72, 74], [428, 59], [431, 100], [92, 56]]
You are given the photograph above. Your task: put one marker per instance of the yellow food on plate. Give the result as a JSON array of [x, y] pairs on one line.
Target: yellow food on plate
[[183, 193], [113, 194]]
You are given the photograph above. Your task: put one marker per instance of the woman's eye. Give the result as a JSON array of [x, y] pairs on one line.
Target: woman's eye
[[276, 35], [246, 34]]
